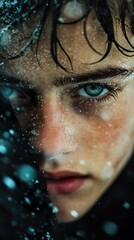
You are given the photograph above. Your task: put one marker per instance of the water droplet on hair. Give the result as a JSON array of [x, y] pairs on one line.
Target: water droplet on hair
[[61, 20]]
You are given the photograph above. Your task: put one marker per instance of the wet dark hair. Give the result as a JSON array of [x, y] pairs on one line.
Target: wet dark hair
[[15, 12]]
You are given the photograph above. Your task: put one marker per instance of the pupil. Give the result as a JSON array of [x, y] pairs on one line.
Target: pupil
[[94, 90]]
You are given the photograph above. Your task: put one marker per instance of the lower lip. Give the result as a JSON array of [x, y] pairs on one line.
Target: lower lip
[[64, 186]]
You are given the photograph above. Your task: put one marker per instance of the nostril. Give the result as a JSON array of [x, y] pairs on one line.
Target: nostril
[[52, 159]]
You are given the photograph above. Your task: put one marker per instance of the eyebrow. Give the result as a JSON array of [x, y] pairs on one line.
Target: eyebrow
[[11, 80], [99, 74]]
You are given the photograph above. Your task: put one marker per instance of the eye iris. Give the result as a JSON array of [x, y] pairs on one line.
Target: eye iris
[[6, 91], [94, 90]]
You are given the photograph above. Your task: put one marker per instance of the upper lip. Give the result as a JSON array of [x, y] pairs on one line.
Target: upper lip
[[63, 174]]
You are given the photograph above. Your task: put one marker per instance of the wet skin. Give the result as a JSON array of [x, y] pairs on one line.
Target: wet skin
[[84, 126]]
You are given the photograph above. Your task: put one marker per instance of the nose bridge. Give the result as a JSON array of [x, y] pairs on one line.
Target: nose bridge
[[53, 114], [53, 118], [56, 133]]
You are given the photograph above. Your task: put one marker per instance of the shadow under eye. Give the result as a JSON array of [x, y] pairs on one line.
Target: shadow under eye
[[83, 107]]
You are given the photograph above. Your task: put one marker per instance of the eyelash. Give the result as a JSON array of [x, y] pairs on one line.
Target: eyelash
[[112, 92]]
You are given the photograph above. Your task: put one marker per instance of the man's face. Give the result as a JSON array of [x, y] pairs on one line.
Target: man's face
[[83, 121]]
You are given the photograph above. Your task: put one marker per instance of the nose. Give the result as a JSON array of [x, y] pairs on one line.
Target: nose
[[55, 131]]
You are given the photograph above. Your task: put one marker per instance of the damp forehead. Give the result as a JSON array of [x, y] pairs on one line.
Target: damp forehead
[[15, 39], [83, 62]]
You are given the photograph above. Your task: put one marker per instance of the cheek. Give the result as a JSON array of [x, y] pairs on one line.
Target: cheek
[[109, 135]]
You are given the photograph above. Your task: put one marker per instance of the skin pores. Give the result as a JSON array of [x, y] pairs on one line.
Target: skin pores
[[89, 136]]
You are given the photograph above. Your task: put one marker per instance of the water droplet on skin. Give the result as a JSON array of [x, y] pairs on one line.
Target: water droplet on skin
[[73, 9], [82, 162], [58, 157], [107, 171], [69, 131], [55, 210], [105, 115], [74, 213]]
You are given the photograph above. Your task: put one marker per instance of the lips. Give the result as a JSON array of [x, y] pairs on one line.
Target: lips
[[64, 182]]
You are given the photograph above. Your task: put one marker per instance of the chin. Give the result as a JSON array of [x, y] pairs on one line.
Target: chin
[[67, 216]]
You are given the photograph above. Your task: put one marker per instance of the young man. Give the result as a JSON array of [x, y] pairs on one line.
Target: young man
[[67, 67]]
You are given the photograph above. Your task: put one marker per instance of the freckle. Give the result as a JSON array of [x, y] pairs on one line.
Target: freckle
[[107, 171], [105, 115]]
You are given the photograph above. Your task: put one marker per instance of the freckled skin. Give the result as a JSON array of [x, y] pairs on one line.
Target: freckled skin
[[82, 133]]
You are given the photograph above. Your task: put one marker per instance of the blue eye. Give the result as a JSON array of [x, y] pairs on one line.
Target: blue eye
[[6, 91], [93, 90], [19, 100], [10, 92]]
